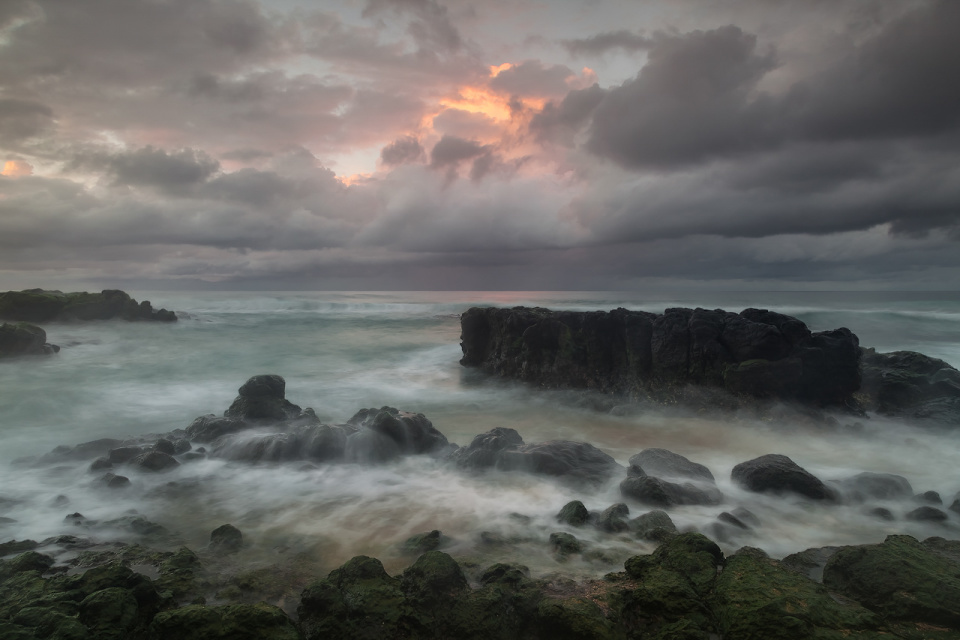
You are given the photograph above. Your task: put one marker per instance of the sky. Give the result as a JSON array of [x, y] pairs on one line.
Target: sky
[[504, 144]]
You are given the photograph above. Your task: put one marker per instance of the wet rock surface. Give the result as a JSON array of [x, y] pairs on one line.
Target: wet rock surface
[[39, 305], [24, 339], [775, 473], [754, 356]]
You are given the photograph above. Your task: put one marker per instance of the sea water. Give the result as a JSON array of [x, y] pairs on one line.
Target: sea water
[[341, 352]]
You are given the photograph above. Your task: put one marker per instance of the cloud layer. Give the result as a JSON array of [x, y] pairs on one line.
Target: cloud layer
[[418, 144]]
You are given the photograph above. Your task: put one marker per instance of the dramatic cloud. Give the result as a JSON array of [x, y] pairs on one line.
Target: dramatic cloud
[[439, 143]]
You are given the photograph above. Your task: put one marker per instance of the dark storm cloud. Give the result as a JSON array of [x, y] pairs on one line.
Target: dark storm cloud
[[23, 119], [246, 155], [402, 150], [608, 41], [451, 150], [431, 27], [559, 122], [152, 167], [692, 100]]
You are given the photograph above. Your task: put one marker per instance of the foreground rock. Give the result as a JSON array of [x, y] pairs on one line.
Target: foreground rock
[[775, 473], [39, 305], [24, 339]]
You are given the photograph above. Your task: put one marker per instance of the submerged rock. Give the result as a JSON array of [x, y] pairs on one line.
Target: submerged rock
[[574, 461], [775, 473], [226, 539], [386, 433], [660, 493], [880, 486], [662, 463]]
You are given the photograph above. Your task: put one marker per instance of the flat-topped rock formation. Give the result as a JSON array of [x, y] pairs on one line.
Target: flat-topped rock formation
[[39, 305], [754, 354]]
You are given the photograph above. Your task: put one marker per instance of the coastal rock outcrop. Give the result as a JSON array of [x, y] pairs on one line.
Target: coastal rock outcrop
[[24, 339], [912, 385], [40, 305], [755, 353], [775, 473]]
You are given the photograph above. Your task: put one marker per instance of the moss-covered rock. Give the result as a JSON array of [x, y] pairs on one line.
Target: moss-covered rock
[[908, 585], [231, 622], [109, 613]]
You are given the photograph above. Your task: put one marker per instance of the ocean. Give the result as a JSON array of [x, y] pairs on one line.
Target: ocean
[[344, 351]]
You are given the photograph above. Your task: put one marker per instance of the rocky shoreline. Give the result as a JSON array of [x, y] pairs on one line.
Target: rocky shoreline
[[76, 585], [23, 337], [712, 359]]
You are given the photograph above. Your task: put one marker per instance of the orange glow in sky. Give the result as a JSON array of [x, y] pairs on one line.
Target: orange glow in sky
[[16, 169], [479, 100]]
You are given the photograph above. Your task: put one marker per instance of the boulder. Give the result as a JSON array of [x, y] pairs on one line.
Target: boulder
[[384, 430], [912, 385], [262, 399], [38, 305], [564, 544], [210, 427], [155, 461], [317, 443], [662, 463], [755, 353], [928, 497], [573, 461], [926, 514], [775, 473], [574, 514], [880, 486], [660, 493], [613, 519], [226, 539], [484, 449], [654, 525], [24, 339]]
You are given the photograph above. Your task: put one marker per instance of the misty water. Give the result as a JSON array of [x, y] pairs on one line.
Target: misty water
[[341, 352]]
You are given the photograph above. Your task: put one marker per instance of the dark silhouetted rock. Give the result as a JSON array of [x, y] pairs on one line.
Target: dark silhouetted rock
[[881, 513], [262, 399], [154, 461], [226, 539], [38, 305], [210, 427], [422, 542], [565, 544], [881, 486], [317, 443], [114, 481], [23, 339], [662, 463], [121, 455], [928, 497], [654, 525], [613, 519], [912, 385], [926, 514], [385, 433], [660, 493], [574, 461], [574, 514], [774, 473], [483, 451], [755, 353]]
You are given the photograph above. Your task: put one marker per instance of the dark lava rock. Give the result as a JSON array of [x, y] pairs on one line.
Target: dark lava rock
[[774, 473], [613, 519], [881, 486], [654, 525], [386, 433], [210, 427], [262, 399], [226, 539], [483, 451], [928, 497], [574, 514], [660, 493], [900, 579], [926, 514], [114, 481], [662, 463], [912, 385], [574, 461], [755, 353], [317, 443], [422, 542], [38, 305], [565, 544], [23, 339], [155, 461]]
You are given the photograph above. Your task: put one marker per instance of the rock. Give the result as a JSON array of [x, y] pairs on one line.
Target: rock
[[881, 513], [16, 547], [423, 542], [900, 579], [38, 305], [109, 613], [755, 353], [654, 525], [317, 443], [911, 385], [483, 451], [226, 539], [388, 432], [262, 399], [572, 461], [122, 455], [660, 493], [881, 486], [565, 544], [114, 481], [259, 621], [662, 463], [155, 461], [613, 519], [210, 427], [926, 514], [100, 464], [24, 339], [574, 514], [928, 497], [165, 446], [774, 473], [728, 518]]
